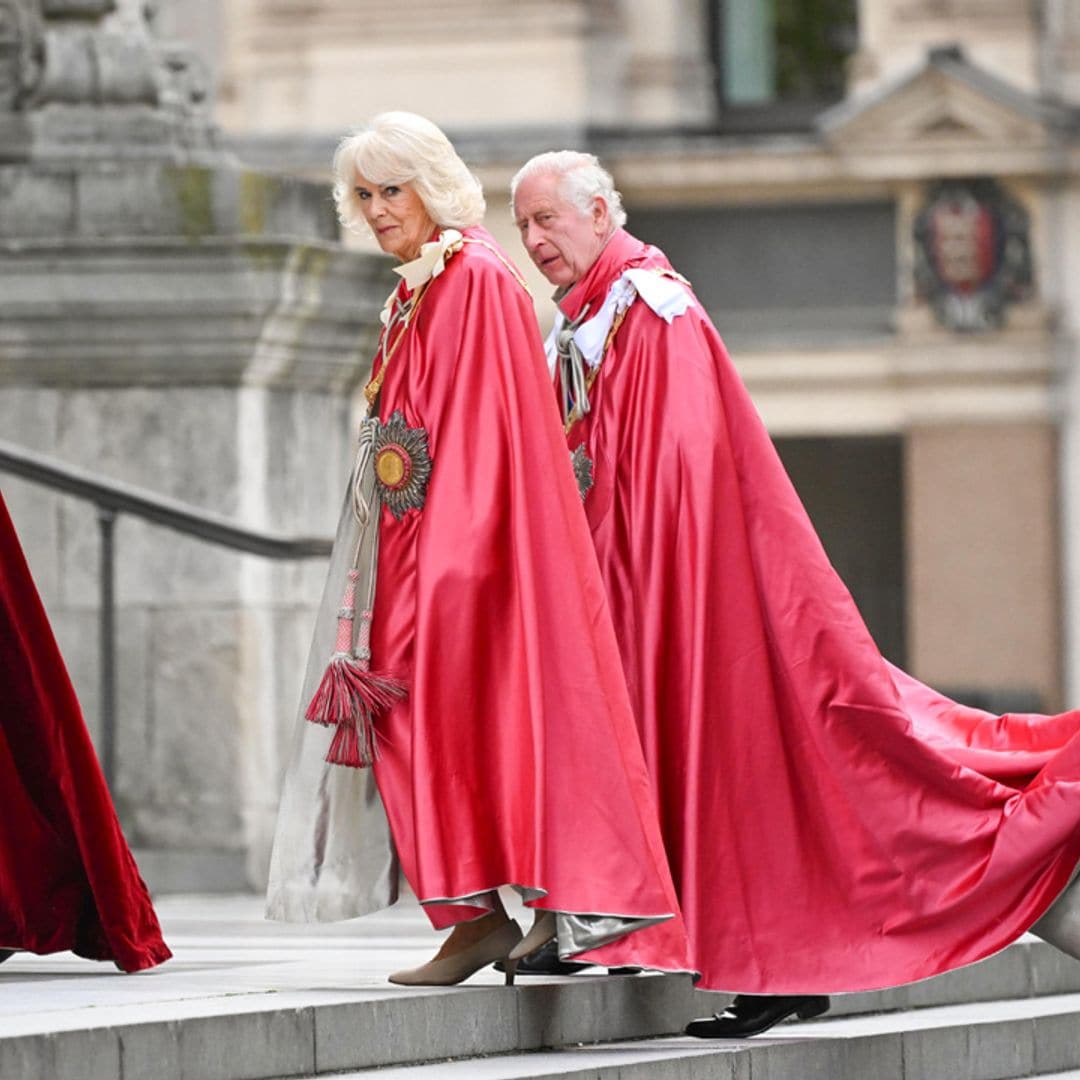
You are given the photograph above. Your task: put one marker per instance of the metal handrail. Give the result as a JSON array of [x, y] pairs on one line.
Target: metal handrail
[[121, 498], [112, 498]]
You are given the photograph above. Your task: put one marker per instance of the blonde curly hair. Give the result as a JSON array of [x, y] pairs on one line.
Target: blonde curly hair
[[403, 148]]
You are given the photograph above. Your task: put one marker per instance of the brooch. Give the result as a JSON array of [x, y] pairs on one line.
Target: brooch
[[402, 464]]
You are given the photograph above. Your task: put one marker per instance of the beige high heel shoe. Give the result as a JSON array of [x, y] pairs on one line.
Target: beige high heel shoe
[[540, 933], [450, 970]]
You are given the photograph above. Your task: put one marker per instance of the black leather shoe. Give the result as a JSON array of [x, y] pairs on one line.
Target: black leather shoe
[[545, 961], [750, 1014]]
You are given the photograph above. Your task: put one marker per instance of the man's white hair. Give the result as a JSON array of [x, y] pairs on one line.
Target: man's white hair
[[403, 148], [581, 180]]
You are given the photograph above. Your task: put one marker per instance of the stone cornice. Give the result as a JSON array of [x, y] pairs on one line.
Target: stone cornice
[[428, 22], [894, 386], [167, 312]]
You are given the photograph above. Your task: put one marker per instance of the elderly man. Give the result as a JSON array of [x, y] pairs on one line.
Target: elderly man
[[832, 824]]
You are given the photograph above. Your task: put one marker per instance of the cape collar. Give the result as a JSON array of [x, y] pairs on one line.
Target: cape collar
[[429, 264], [620, 251], [431, 261]]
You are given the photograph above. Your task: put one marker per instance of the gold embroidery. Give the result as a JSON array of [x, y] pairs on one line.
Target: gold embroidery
[[371, 391], [515, 273]]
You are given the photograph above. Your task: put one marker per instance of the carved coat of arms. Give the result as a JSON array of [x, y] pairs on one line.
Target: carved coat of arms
[[972, 254]]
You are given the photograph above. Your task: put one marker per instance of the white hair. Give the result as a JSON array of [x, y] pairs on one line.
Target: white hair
[[581, 180], [403, 148]]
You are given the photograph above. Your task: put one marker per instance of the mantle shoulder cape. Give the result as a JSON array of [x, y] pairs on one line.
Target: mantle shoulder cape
[[514, 759], [831, 824], [67, 877]]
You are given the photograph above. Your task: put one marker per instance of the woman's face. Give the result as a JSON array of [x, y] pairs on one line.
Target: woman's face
[[396, 215]]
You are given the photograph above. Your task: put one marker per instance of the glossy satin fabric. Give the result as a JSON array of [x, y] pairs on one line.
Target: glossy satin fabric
[[67, 877], [514, 758], [831, 823]]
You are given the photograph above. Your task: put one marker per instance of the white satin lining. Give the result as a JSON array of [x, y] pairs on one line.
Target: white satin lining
[[576, 931]]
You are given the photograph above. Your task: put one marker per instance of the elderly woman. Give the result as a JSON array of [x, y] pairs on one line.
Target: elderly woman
[[464, 649]]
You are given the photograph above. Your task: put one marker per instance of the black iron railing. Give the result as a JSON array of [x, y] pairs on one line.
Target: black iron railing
[[112, 498]]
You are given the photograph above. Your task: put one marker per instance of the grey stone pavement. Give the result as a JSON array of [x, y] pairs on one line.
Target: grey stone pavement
[[247, 998], [226, 958]]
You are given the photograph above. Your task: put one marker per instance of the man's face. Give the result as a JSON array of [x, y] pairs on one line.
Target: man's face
[[560, 239]]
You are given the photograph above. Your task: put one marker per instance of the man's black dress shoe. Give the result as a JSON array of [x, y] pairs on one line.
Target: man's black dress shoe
[[750, 1014], [545, 961]]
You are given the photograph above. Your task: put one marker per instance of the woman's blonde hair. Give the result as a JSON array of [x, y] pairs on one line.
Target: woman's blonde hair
[[403, 148]]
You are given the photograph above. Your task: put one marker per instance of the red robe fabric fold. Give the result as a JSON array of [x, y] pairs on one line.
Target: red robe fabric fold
[[514, 759], [831, 823], [67, 877]]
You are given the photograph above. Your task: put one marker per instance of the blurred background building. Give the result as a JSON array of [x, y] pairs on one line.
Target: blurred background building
[[877, 200]]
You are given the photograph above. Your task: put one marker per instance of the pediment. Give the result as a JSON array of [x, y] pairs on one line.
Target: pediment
[[946, 103]]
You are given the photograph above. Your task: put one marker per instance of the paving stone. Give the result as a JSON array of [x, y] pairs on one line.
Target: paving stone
[[995, 1051], [28, 1058], [401, 1029], [881, 1056], [939, 1054], [150, 1050], [572, 1011], [1052, 972], [67, 1055], [1006, 974], [249, 1046], [1057, 1043]]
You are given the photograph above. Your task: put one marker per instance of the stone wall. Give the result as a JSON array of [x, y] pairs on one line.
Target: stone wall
[[497, 65]]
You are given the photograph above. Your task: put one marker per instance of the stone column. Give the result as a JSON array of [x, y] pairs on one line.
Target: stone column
[[1067, 270], [170, 319], [983, 560]]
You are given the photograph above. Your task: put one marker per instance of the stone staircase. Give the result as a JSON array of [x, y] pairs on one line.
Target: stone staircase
[[249, 1000]]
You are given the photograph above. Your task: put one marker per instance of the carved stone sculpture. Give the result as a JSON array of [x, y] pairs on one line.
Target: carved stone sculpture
[[20, 51], [67, 52]]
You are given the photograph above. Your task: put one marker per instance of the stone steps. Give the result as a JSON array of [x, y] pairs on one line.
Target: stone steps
[[990, 1041], [247, 1000]]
